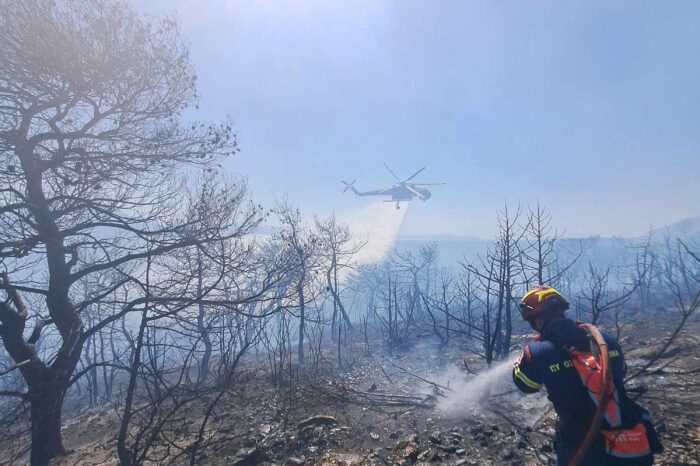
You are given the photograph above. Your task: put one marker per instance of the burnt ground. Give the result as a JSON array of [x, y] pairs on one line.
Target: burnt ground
[[380, 411]]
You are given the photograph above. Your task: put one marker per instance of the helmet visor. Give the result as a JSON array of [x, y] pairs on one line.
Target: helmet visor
[[525, 309]]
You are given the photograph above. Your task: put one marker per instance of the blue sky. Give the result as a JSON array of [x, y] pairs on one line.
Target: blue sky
[[591, 107]]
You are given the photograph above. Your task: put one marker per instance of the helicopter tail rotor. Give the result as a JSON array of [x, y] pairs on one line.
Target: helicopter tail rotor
[[349, 186]]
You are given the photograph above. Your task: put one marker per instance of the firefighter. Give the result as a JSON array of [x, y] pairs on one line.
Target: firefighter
[[563, 360]]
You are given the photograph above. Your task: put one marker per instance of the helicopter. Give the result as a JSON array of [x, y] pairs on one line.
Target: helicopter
[[401, 191]]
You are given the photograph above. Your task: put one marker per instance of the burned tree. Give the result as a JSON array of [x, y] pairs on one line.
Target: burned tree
[[416, 268], [540, 238], [681, 278], [498, 274], [646, 272], [488, 328], [538, 255], [467, 299], [90, 140], [304, 252], [602, 296], [219, 267], [187, 295], [439, 306], [338, 249]]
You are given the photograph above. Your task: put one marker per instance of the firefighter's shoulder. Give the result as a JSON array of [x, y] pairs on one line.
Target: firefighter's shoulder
[[538, 352], [613, 344], [528, 370]]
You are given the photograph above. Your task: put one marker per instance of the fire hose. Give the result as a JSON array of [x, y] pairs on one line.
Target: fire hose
[[597, 420]]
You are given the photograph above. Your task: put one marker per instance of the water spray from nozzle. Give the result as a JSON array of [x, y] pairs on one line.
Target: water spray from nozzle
[[469, 392]]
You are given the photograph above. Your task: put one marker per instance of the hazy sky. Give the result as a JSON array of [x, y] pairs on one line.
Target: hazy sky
[[591, 107]]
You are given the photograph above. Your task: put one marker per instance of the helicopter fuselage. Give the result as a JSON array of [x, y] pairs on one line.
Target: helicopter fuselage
[[403, 191]]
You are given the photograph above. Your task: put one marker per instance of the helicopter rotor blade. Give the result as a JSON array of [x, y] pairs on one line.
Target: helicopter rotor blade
[[427, 184], [394, 174], [414, 175]]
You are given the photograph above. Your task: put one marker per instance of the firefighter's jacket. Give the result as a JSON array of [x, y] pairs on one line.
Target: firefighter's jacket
[[547, 363]]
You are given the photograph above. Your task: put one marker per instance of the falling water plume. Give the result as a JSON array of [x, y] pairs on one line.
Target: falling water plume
[[378, 224]]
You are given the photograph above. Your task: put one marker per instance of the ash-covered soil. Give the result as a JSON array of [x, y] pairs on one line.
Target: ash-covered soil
[[392, 410]]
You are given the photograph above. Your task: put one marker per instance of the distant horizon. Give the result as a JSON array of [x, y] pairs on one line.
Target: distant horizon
[[267, 228], [461, 237]]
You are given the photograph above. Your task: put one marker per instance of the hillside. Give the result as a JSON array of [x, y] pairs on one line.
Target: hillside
[[603, 251]]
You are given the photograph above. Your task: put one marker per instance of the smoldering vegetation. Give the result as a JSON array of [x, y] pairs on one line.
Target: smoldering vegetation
[[146, 319]]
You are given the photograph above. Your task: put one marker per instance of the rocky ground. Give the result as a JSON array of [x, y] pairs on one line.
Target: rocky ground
[[392, 410]]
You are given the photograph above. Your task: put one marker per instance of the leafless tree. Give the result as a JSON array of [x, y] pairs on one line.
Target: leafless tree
[[498, 274], [490, 323], [467, 299], [90, 141], [104, 357], [167, 341], [229, 263], [602, 296], [681, 275], [538, 255], [395, 307], [646, 271], [367, 283], [305, 250], [416, 267], [439, 306], [338, 248]]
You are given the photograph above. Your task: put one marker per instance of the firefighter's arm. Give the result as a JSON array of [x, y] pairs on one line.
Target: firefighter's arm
[[526, 375], [617, 357]]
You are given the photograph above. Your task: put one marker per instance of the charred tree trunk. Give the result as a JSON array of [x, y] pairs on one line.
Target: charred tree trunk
[[208, 347], [126, 455], [46, 384], [302, 321], [338, 307], [46, 401], [203, 329]]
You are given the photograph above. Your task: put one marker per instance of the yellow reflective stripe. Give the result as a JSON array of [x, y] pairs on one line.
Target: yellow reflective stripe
[[543, 293], [540, 294], [524, 378]]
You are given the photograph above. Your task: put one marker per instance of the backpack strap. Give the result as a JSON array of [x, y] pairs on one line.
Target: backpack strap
[[590, 372]]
